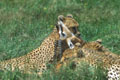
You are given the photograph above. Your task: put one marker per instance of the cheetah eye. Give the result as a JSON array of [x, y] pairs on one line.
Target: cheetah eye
[[71, 45], [74, 30]]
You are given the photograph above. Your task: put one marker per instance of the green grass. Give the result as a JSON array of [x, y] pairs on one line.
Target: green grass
[[25, 23]]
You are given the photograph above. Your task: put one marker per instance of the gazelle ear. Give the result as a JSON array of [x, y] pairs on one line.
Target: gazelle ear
[[61, 18], [60, 26], [57, 27], [69, 15]]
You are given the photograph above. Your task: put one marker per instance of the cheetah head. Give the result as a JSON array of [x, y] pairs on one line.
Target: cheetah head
[[95, 45], [70, 23], [67, 28]]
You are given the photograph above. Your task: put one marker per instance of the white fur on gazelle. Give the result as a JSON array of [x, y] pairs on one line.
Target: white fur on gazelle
[[70, 44], [65, 31], [60, 32], [68, 35]]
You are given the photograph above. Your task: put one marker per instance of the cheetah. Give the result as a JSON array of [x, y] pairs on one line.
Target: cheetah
[[37, 59], [96, 55]]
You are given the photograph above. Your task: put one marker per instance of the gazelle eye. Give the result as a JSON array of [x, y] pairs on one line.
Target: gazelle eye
[[70, 44], [63, 34]]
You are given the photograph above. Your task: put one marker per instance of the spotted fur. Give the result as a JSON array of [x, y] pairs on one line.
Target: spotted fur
[[37, 59], [94, 54]]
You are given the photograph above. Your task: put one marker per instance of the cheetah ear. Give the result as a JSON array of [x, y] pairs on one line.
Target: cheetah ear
[[70, 15], [61, 18], [99, 41]]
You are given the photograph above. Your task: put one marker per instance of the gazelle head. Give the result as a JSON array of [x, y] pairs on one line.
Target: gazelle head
[[65, 34], [70, 23], [67, 28]]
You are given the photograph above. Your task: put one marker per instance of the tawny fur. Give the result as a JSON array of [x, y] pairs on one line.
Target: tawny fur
[[38, 58], [94, 54]]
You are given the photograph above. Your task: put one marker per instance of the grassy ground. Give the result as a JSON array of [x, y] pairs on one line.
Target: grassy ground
[[25, 23]]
